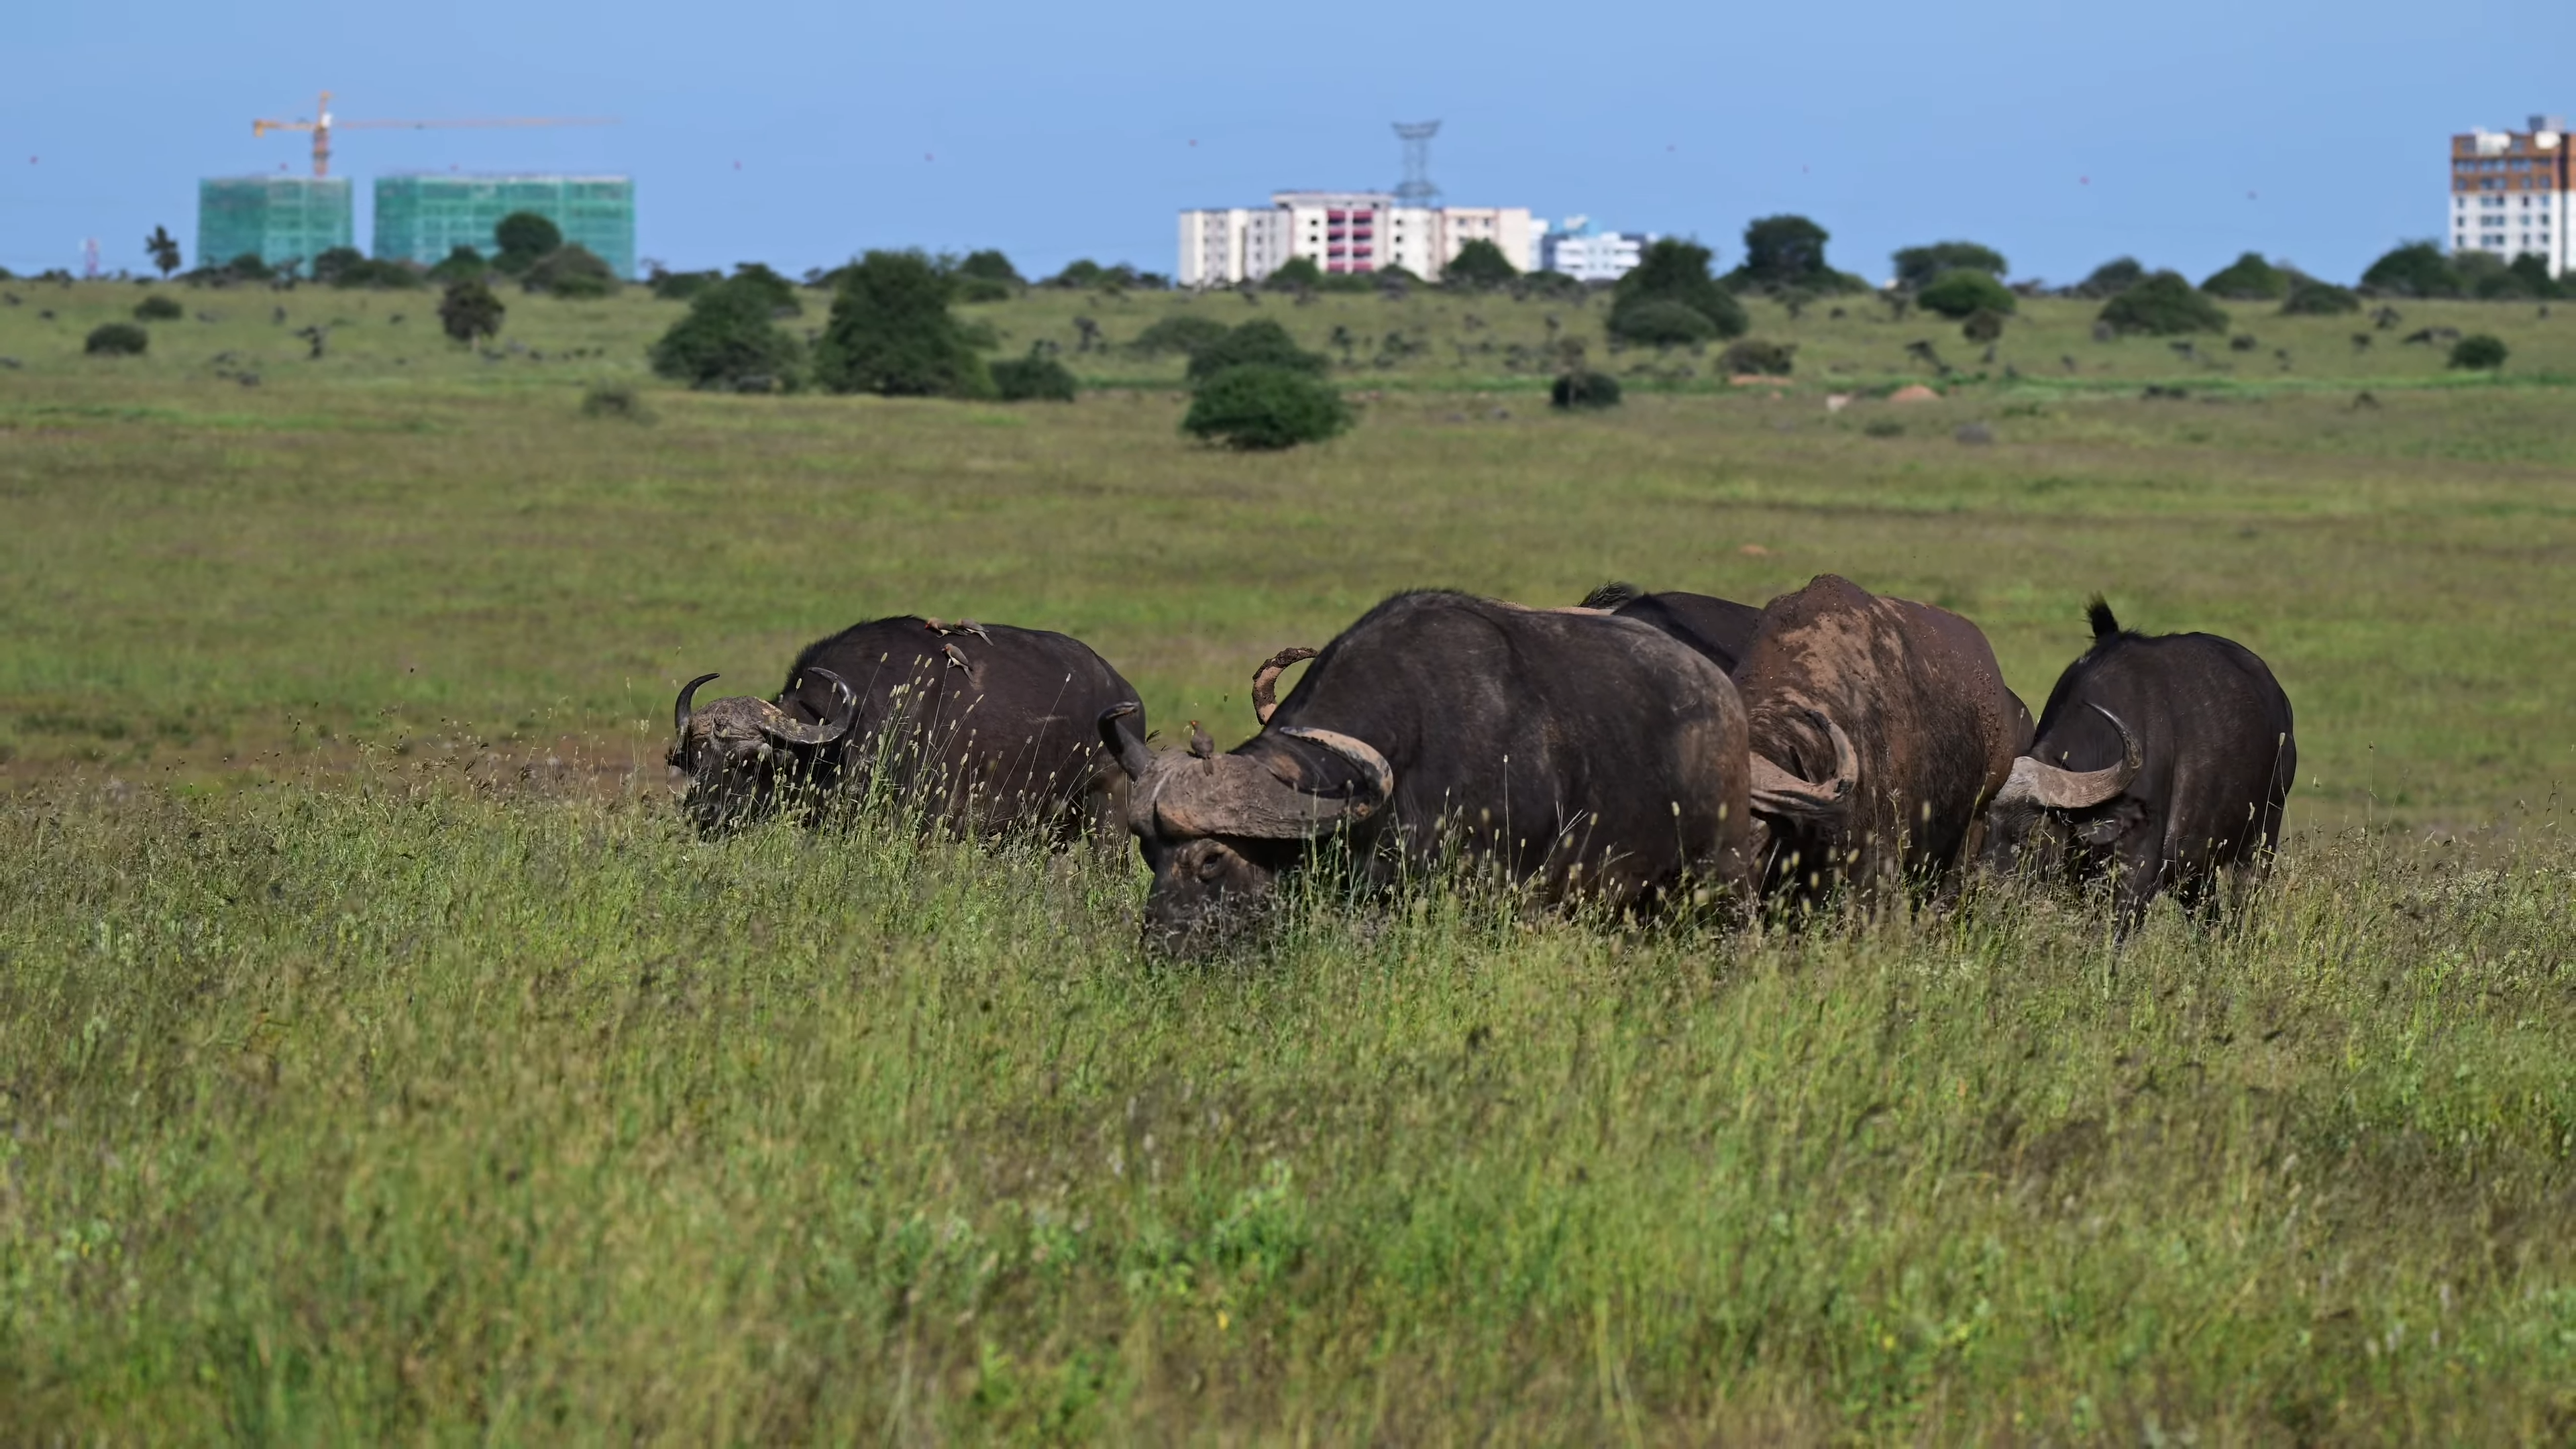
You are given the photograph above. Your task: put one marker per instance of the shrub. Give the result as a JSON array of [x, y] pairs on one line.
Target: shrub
[[891, 333], [2478, 352], [1584, 389], [1919, 267], [1983, 325], [524, 239], [2164, 305], [462, 263], [1959, 293], [615, 400], [470, 310], [2490, 278], [1479, 266], [1033, 379], [680, 286], [336, 260], [1673, 270], [2112, 278], [1261, 343], [159, 309], [2415, 269], [1262, 407], [2312, 298], [1789, 251], [772, 288], [1752, 355], [117, 339], [1294, 274], [570, 271], [2249, 278], [1185, 333], [2533, 274], [1662, 324], [729, 342], [990, 265]]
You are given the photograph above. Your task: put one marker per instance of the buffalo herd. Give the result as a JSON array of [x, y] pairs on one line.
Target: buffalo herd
[[1630, 751]]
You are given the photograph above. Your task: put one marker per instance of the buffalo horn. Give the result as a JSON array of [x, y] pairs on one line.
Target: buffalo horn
[[1778, 792], [1360, 753], [687, 707], [1265, 680], [2054, 788], [1130, 752], [779, 725], [1240, 796]]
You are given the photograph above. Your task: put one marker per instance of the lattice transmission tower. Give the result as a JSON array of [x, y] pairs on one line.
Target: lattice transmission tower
[[1416, 188]]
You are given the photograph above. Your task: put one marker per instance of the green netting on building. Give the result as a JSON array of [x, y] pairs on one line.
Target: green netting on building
[[281, 218], [423, 218]]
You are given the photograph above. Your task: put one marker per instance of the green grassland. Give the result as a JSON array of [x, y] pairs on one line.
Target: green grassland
[[379, 1060]]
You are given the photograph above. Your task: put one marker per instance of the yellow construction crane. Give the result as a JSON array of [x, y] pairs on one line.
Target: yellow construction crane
[[323, 124]]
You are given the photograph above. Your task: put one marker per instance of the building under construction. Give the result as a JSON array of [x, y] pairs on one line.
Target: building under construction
[[425, 216], [278, 219]]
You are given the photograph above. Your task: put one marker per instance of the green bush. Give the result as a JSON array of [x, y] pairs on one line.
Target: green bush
[[159, 309], [2490, 278], [570, 271], [891, 333], [2164, 305], [1261, 407], [2249, 278], [1676, 271], [2416, 269], [729, 342], [988, 276], [2478, 352], [461, 264], [1752, 355], [524, 239], [1033, 379], [335, 260], [1185, 332], [1918, 267], [2312, 298], [1660, 323], [1957, 294], [2112, 278], [774, 289], [1581, 389], [117, 339], [470, 310], [1294, 274], [1982, 325], [680, 286], [1260, 343], [1479, 266], [1784, 252]]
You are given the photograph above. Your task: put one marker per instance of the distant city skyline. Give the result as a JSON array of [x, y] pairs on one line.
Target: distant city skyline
[[2062, 136]]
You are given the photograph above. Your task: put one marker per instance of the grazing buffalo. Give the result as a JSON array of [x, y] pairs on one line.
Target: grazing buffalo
[[1880, 729], [2158, 758], [1721, 629], [981, 726], [1587, 755]]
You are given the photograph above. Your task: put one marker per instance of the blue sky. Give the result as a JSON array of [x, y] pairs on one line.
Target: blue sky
[[798, 133]]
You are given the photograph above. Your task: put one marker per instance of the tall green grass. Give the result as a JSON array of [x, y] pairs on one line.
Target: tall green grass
[[395, 1108]]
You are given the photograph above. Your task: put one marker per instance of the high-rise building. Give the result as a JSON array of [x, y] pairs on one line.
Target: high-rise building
[[279, 219], [422, 217], [2509, 192], [1578, 251], [1346, 232]]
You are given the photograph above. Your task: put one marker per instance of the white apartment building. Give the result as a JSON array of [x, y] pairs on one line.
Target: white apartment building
[[1343, 232], [2509, 191], [1591, 256]]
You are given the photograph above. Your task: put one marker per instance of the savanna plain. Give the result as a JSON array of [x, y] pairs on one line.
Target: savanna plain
[[381, 1058]]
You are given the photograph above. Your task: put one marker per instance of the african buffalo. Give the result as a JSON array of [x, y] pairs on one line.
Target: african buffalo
[[1721, 629], [979, 725], [1880, 729], [2159, 758], [1586, 755]]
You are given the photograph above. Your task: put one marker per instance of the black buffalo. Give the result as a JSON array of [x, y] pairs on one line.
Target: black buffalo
[[1880, 730], [979, 726], [1583, 754], [1720, 629], [2159, 759]]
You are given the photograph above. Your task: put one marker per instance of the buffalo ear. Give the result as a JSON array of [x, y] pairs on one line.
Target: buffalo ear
[[1121, 742]]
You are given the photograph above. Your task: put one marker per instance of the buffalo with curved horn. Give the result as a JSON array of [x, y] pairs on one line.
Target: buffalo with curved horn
[[2198, 736], [1880, 729], [979, 726], [1584, 755]]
